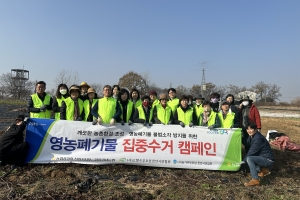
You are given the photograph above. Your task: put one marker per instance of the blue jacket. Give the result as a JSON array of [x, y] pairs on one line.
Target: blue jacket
[[259, 146]]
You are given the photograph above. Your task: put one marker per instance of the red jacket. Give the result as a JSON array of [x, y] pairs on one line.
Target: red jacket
[[254, 116]]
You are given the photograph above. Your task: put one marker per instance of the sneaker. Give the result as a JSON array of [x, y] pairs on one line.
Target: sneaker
[[253, 182], [264, 172]]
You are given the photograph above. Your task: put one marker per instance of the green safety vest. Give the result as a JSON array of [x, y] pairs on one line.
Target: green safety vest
[[228, 121], [70, 107], [173, 104], [129, 110], [37, 103], [185, 117], [138, 103], [57, 114], [142, 114], [199, 109], [107, 108], [155, 102], [163, 114], [211, 121], [86, 107]]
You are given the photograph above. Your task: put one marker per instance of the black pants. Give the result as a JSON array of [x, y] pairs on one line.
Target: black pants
[[245, 137], [15, 155]]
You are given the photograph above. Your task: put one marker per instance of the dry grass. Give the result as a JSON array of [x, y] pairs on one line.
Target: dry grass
[[135, 182]]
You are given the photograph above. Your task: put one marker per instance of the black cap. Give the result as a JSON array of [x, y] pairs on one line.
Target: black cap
[[20, 117]]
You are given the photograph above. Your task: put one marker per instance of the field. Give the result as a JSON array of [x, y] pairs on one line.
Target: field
[[53, 181]]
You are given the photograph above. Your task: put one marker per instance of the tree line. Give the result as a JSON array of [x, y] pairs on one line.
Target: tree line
[[142, 82]]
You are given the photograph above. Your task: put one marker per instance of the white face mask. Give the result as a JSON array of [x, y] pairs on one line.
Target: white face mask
[[245, 103], [63, 91]]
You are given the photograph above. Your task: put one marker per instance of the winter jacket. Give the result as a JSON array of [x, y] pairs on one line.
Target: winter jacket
[[253, 116], [259, 146]]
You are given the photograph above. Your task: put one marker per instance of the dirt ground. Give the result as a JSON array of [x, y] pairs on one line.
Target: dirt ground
[[56, 181]]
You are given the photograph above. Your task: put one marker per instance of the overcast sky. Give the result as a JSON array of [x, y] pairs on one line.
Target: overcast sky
[[242, 42]]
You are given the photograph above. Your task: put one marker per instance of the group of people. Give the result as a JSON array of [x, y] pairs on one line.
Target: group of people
[[118, 105]]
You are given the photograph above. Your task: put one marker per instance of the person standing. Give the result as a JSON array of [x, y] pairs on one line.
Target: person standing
[[62, 93], [260, 157], [227, 117], [107, 110], [115, 91], [209, 117], [83, 90], [184, 114], [72, 107], [39, 105], [126, 106], [13, 149], [248, 112], [143, 113], [89, 103], [215, 101], [198, 109], [230, 99], [153, 96], [162, 113], [135, 98], [173, 101]]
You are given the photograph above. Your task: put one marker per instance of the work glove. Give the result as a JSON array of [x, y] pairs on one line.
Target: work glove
[[170, 122], [211, 127], [79, 119], [191, 124], [122, 122], [94, 122], [26, 118], [150, 123], [130, 122], [43, 108], [182, 124], [145, 123], [112, 121], [99, 120]]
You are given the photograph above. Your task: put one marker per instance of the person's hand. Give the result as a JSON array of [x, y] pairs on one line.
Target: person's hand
[[130, 122], [182, 124], [145, 123], [43, 108], [26, 118], [231, 127], [112, 121], [150, 123], [99, 120], [170, 122], [122, 122], [191, 124], [79, 119], [258, 129], [94, 122], [211, 127]]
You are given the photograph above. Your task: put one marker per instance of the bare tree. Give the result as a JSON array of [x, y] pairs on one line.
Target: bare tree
[[195, 90], [133, 80], [181, 90], [18, 89], [146, 77], [67, 77], [273, 92], [261, 89]]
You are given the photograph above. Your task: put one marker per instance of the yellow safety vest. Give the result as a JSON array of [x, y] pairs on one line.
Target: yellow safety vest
[[70, 107], [155, 102], [107, 108], [185, 117], [173, 104], [57, 114], [211, 121], [228, 121], [199, 109], [87, 109], [163, 114], [129, 110], [37, 103], [138, 103], [142, 113]]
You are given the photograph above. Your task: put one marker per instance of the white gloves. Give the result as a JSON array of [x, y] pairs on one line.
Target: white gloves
[[112, 121]]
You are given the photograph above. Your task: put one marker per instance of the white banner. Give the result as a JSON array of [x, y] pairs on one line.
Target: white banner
[[159, 145]]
